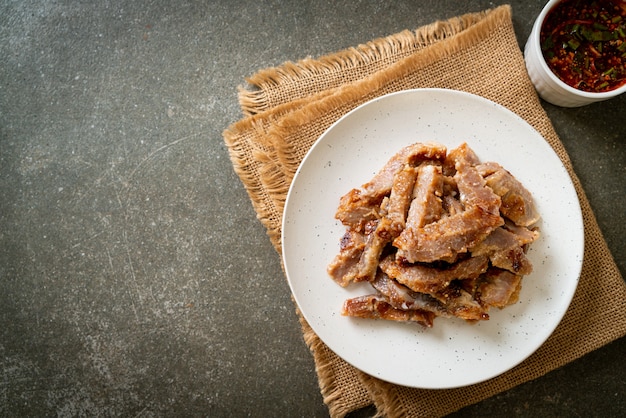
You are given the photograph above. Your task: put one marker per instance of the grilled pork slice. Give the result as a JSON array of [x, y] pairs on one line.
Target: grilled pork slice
[[401, 297], [504, 251], [361, 205], [400, 199], [473, 190], [375, 307], [345, 266], [461, 153], [451, 205], [357, 208], [426, 206], [517, 202], [374, 245], [499, 288], [461, 303], [430, 280], [524, 235], [446, 238]]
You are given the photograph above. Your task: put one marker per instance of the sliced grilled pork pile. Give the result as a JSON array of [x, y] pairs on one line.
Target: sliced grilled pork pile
[[436, 234]]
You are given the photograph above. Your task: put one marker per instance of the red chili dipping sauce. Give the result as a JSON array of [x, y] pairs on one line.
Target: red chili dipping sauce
[[584, 43]]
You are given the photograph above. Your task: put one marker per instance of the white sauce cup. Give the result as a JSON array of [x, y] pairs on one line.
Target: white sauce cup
[[547, 84]]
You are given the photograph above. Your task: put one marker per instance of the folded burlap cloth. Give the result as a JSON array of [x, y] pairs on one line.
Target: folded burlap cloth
[[287, 108]]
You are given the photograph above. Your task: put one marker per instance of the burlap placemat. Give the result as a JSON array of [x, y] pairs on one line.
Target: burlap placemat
[[289, 107]]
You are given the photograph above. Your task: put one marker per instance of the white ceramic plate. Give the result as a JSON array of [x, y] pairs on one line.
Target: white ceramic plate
[[453, 353]]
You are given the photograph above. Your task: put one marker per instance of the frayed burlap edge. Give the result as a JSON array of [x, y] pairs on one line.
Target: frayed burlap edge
[[334, 70], [252, 161]]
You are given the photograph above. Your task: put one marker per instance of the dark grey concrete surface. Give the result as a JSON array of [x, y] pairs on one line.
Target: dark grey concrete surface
[[135, 279]]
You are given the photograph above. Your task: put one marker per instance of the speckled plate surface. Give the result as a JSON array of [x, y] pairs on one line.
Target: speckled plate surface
[[453, 353]]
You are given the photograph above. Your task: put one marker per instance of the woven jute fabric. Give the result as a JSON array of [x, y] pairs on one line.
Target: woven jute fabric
[[287, 108]]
